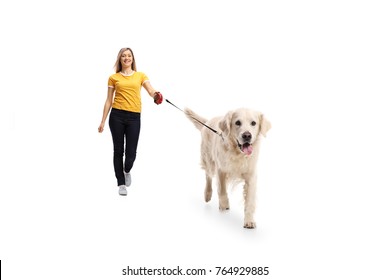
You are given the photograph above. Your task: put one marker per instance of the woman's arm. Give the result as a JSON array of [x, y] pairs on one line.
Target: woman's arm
[[156, 95], [107, 107], [147, 85]]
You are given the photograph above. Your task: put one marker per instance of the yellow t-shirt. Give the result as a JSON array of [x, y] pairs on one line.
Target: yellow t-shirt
[[127, 90]]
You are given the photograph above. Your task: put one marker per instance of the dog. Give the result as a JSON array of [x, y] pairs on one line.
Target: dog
[[232, 156]]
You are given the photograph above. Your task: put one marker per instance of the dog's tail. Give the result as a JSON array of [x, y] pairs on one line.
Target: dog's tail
[[195, 118]]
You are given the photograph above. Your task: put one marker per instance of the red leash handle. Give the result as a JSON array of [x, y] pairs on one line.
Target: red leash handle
[[158, 98]]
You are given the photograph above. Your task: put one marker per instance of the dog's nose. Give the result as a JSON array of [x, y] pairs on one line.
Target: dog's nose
[[247, 136]]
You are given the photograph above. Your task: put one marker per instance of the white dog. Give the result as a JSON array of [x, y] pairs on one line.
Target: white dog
[[232, 156]]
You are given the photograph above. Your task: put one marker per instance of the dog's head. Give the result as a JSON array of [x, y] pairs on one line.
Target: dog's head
[[243, 127]]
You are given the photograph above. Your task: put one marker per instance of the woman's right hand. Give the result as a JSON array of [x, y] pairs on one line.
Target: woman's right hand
[[101, 128], [107, 107]]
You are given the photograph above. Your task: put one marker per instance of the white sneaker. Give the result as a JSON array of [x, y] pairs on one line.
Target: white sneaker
[[127, 179], [122, 190]]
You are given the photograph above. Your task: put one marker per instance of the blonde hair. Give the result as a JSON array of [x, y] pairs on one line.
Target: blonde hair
[[118, 64]]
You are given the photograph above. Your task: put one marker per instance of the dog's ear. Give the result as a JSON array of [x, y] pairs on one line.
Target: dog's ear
[[265, 125], [225, 123]]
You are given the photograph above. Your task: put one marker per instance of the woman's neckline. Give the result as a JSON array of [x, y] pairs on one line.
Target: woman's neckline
[[126, 75]]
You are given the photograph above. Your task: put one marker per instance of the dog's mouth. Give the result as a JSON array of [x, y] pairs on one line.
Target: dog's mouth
[[246, 148]]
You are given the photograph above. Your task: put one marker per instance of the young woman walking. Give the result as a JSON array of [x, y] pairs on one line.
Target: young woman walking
[[124, 101]]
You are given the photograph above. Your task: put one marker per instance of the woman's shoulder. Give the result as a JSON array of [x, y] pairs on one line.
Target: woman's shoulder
[[115, 75], [141, 75]]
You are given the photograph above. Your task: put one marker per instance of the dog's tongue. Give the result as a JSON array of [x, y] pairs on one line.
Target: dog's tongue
[[247, 149]]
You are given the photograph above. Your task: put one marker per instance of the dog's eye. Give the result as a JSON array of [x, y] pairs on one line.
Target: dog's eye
[[253, 123], [238, 123]]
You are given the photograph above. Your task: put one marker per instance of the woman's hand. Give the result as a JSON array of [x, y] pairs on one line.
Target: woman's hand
[[158, 98], [107, 108], [101, 128]]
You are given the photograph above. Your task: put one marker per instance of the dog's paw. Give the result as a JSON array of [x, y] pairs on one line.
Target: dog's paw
[[207, 196], [224, 204], [250, 225]]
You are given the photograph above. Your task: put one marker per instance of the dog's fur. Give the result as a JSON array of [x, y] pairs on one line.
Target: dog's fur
[[233, 157]]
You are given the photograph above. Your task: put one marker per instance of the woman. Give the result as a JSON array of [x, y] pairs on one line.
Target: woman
[[124, 100]]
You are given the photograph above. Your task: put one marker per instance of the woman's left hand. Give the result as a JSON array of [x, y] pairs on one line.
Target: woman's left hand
[[158, 98]]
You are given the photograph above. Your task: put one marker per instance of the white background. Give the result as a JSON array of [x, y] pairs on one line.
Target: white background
[[319, 70]]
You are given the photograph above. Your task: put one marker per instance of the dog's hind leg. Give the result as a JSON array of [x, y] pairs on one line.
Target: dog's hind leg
[[222, 192], [208, 190]]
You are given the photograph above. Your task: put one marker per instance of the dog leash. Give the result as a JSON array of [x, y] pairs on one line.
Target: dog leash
[[205, 125]]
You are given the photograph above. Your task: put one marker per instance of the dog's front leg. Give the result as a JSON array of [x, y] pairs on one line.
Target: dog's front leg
[[222, 192], [250, 201]]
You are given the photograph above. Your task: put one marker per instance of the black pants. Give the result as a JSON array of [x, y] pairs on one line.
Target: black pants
[[124, 125]]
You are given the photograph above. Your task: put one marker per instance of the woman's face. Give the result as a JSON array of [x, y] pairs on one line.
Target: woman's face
[[126, 59]]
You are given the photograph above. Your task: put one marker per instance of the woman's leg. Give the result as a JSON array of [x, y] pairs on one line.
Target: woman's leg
[[117, 127], [132, 131]]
